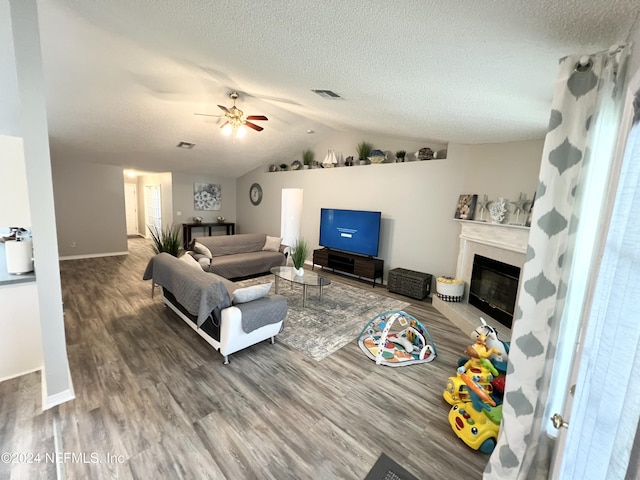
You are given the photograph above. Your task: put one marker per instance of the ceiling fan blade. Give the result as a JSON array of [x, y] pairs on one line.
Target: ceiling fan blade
[[257, 117], [254, 126], [223, 108]]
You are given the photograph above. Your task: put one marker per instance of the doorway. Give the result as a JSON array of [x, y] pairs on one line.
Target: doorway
[[152, 207], [131, 208]]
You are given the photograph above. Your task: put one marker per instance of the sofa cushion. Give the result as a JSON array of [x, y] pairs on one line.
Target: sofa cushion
[[248, 294], [202, 250], [189, 260], [246, 264], [204, 262], [272, 244], [220, 245]]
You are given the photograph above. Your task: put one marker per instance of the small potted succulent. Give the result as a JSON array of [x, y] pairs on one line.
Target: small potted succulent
[[364, 152], [400, 154], [307, 158]]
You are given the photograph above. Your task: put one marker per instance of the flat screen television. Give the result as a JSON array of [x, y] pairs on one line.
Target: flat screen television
[[355, 231]]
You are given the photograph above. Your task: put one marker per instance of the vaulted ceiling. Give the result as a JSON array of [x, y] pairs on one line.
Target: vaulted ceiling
[[124, 78]]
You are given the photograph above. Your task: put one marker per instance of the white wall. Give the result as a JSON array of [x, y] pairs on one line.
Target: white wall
[[417, 199], [21, 339], [14, 196], [634, 39], [501, 169], [56, 378], [90, 210]]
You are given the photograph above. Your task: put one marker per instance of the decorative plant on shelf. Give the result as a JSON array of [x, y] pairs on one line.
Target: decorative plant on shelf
[[400, 154], [307, 157], [166, 239], [299, 253], [364, 151]]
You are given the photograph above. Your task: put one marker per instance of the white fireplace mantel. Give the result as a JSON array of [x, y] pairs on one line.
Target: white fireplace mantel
[[505, 243]]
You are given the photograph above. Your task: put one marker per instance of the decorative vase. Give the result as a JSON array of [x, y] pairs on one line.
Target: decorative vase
[[299, 271]]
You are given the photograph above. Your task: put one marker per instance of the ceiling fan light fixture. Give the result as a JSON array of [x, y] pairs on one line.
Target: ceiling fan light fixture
[[237, 123], [227, 129]]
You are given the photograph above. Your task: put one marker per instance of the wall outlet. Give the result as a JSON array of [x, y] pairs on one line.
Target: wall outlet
[[179, 214], [73, 244]]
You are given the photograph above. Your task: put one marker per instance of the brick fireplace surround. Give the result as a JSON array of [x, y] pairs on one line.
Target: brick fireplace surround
[[505, 243]]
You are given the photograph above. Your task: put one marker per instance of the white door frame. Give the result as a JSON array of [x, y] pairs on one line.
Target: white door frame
[[131, 207], [152, 208]]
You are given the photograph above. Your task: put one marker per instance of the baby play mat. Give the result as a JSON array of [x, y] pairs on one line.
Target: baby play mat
[[396, 339]]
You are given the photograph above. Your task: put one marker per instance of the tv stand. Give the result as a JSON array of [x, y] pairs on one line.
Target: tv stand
[[351, 263]]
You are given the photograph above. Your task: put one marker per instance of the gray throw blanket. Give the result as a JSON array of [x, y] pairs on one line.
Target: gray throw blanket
[[264, 311], [197, 291]]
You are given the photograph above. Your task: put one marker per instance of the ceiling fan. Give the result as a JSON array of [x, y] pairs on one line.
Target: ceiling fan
[[236, 121]]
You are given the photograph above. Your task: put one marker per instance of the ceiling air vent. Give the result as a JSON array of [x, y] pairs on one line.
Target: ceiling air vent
[[186, 145], [327, 94]]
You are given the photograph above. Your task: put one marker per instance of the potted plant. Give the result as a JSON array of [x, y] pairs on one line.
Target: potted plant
[[299, 253], [307, 158], [400, 154], [364, 151], [166, 239]]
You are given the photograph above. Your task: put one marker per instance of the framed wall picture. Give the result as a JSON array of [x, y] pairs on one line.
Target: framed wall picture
[[466, 208], [207, 196]]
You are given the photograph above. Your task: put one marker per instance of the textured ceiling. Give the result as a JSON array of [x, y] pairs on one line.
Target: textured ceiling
[[125, 77]]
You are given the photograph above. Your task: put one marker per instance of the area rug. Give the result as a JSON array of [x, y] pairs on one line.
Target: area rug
[[325, 326], [387, 469]]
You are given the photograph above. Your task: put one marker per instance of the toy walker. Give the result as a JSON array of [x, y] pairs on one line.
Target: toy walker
[[477, 389], [396, 339]]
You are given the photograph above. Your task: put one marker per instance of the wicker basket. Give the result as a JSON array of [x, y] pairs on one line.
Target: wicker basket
[[410, 283], [450, 292]]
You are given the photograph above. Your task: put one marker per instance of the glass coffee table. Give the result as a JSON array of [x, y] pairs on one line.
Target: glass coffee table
[[308, 279]]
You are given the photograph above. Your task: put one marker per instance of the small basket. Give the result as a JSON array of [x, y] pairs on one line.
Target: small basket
[[450, 292]]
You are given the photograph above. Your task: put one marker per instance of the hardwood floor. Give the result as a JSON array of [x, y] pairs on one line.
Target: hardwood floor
[[156, 398]]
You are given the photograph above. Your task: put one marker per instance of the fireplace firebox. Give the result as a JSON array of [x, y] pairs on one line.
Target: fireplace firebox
[[494, 287]]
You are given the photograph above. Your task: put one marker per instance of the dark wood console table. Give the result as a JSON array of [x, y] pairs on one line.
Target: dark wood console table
[[358, 265], [187, 227]]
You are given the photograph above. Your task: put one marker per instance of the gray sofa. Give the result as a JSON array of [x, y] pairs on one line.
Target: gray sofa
[[239, 256], [214, 307]]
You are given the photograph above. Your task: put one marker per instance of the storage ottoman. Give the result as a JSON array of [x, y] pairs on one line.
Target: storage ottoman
[[409, 282]]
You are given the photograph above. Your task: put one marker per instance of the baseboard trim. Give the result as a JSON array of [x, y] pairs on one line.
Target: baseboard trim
[[50, 401], [93, 255], [26, 372]]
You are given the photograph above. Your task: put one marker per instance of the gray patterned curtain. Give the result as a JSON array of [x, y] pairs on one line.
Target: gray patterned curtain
[[585, 88]]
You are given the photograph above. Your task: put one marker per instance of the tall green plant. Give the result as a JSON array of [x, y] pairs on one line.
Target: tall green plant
[[364, 150], [308, 156], [299, 252], [166, 239]]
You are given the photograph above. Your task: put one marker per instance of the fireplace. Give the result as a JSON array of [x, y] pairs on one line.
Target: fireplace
[[494, 288]]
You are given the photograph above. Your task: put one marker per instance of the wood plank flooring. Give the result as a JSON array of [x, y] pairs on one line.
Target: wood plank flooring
[[156, 397]]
